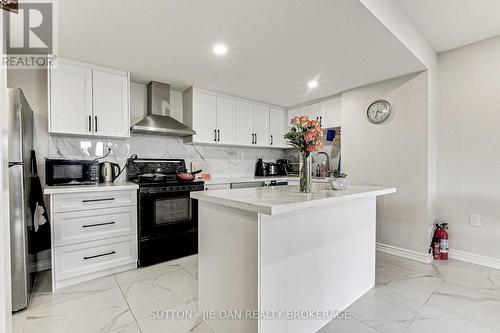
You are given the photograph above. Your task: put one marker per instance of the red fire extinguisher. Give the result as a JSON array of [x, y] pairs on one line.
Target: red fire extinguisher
[[440, 242]]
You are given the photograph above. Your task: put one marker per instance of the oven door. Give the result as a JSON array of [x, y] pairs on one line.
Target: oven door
[[165, 211]]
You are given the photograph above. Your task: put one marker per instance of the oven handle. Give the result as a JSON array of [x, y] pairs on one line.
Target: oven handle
[[99, 255], [97, 224], [98, 200]]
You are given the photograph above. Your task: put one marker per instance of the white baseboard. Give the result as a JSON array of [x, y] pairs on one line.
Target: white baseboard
[[425, 258], [474, 258]]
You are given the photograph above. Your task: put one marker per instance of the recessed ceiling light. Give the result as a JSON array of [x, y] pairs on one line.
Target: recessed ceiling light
[[312, 84], [220, 49]]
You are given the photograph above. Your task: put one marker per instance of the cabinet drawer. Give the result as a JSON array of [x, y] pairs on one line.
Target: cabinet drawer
[[87, 259], [95, 224], [71, 202]]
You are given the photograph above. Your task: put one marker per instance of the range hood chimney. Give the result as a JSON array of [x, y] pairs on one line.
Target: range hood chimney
[[158, 120]]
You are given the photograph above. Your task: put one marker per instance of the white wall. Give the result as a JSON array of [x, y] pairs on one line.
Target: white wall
[[394, 153], [389, 13], [469, 145], [5, 295]]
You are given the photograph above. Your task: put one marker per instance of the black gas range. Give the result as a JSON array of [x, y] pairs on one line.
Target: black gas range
[[167, 216]]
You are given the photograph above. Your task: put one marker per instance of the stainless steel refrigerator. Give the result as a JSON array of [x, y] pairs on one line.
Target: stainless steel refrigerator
[[23, 263]]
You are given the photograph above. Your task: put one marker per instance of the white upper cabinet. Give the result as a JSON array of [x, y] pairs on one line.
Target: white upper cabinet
[[326, 112], [313, 111], [204, 120], [277, 127], [245, 115], [70, 100], [331, 112], [295, 112], [88, 100], [110, 103], [213, 118], [253, 124], [261, 125], [226, 120]]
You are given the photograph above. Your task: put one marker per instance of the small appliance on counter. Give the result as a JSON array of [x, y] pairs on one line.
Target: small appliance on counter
[[71, 172], [260, 168], [108, 172], [271, 169], [283, 167]]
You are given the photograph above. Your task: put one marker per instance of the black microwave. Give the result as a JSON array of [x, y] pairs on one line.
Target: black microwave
[[71, 172]]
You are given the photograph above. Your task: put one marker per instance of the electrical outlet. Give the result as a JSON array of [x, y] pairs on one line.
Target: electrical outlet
[[475, 220]]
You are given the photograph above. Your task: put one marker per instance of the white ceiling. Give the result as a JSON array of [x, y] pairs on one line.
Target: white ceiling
[[448, 24], [275, 47]]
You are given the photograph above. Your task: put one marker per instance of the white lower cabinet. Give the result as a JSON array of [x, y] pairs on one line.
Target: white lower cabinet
[[77, 227], [81, 262], [70, 202], [94, 234]]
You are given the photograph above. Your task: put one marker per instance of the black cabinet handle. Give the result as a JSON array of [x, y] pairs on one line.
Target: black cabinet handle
[[271, 139], [256, 138], [215, 135], [96, 124], [321, 121], [99, 255], [97, 224], [253, 138], [90, 123], [218, 135], [96, 200]]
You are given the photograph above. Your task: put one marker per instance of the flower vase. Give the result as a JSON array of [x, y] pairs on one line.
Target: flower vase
[[305, 172]]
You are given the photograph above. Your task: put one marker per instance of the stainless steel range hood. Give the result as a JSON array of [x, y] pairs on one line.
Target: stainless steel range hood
[[158, 120]]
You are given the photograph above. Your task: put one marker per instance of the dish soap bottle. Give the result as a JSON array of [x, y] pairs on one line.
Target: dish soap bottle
[[323, 170]]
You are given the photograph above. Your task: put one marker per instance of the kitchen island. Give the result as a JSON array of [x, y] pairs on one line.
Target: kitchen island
[[276, 260]]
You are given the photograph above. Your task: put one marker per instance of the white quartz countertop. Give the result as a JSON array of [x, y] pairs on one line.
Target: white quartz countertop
[[90, 188], [283, 199]]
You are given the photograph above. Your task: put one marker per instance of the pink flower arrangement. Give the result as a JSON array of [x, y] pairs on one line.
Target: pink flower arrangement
[[306, 135]]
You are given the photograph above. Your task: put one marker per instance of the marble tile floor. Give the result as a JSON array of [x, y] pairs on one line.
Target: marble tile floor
[[409, 297]]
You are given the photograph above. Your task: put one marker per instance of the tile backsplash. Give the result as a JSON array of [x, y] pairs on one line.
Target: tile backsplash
[[219, 161]]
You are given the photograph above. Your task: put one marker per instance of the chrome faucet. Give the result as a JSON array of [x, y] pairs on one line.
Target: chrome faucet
[[327, 162]]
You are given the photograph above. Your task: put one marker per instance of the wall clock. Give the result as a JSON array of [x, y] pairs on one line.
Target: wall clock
[[379, 111]]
